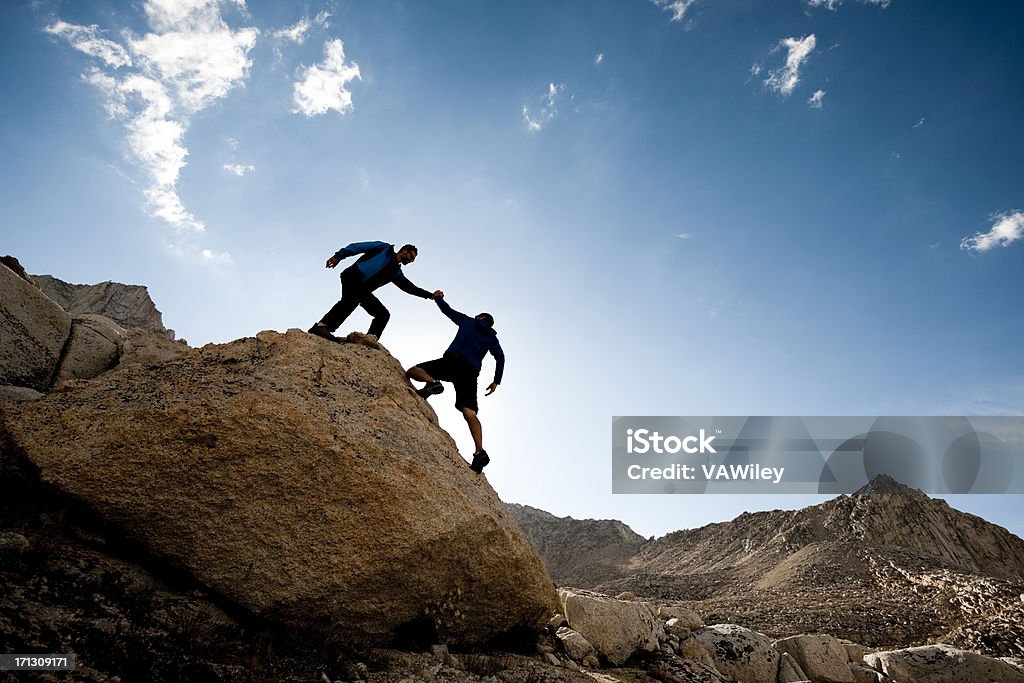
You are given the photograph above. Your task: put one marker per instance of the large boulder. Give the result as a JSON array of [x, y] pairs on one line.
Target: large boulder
[[127, 305], [616, 628], [93, 347], [303, 480], [33, 331], [941, 664], [822, 658], [738, 652]]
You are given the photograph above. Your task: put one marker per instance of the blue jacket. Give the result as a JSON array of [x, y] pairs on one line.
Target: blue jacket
[[377, 266], [474, 340]]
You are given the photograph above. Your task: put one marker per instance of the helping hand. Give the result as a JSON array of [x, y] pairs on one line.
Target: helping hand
[[438, 294], [333, 261]]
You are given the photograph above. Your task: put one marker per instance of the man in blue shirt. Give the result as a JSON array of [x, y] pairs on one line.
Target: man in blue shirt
[[461, 365], [378, 265]]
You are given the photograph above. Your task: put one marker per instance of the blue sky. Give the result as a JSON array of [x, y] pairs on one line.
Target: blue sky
[[739, 207]]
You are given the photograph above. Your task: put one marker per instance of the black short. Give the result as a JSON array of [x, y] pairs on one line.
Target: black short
[[458, 372]]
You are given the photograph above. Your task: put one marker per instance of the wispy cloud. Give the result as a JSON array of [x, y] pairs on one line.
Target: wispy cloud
[[324, 86], [683, 235], [598, 58], [87, 39], [299, 31], [817, 99], [1006, 229], [784, 79], [239, 169], [296, 33], [190, 59], [548, 108], [834, 4], [215, 257], [920, 123], [678, 8]]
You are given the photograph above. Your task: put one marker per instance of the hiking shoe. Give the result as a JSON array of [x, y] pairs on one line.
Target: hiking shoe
[[480, 461], [430, 389], [321, 330]]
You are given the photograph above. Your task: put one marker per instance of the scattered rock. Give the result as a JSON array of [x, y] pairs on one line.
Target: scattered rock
[[11, 393], [615, 628], [823, 658], [13, 544], [740, 653], [789, 669], [574, 644], [862, 674], [685, 618], [854, 651], [557, 622], [942, 664]]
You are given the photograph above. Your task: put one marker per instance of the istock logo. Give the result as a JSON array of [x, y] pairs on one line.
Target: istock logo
[[645, 441]]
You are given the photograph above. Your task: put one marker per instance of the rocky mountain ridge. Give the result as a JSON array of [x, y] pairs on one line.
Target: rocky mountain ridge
[[886, 565]]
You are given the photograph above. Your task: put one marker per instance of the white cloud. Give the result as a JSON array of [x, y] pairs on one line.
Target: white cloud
[[756, 69], [784, 79], [548, 108], [323, 86], [676, 7], [598, 58], [684, 235], [201, 60], [296, 33], [1007, 229], [87, 39], [239, 169], [165, 15], [222, 257], [816, 99], [189, 60], [834, 4], [920, 123]]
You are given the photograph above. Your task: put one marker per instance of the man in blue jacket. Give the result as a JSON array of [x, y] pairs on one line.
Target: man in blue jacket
[[460, 365], [378, 265]]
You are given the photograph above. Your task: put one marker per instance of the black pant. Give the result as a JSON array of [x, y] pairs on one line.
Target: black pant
[[353, 294]]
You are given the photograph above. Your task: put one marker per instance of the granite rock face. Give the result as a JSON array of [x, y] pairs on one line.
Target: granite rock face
[[93, 347], [942, 664], [741, 653], [617, 629], [127, 305], [33, 331], [821, 657], [303, 480]]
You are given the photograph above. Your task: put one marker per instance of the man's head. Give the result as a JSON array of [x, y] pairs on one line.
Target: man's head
[[486, 318], [407, 254]]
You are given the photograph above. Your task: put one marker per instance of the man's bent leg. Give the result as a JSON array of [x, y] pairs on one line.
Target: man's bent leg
[[474, 428], [340, 311], [381, 315], [419, 374]]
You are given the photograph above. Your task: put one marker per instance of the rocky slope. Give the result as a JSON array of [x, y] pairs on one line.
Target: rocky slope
[[884, 566], [126, 305], [583, 552]]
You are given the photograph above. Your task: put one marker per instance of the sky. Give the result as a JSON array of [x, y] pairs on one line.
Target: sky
[[689, 207]]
